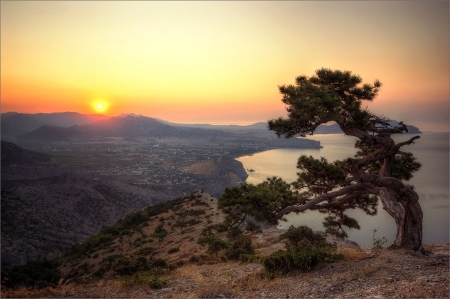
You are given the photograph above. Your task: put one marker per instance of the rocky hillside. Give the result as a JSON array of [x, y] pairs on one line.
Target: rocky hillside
[[42, 217], [14, 124], [15, 155], [156, 253], [184, 221]]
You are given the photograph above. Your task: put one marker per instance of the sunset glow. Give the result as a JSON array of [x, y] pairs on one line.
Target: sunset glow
[[100, 106], [220, 61]]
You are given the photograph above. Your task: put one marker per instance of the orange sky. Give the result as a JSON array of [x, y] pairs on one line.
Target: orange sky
[[220, 62]]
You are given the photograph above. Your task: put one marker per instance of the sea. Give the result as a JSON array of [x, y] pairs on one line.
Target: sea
[[431, 182]]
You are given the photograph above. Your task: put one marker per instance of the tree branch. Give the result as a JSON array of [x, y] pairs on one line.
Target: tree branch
[[341, 201], [408, 142], [312, 203]]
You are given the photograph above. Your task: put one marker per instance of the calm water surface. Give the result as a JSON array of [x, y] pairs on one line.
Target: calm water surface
[[431, 183]]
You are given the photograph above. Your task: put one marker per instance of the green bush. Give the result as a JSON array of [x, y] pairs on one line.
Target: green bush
[[215, 244], [305, 249], [220, 227], [242, 245], [234, 232], [160, 232], [302, 259], [127, 265], [158, 263], [303, 235]]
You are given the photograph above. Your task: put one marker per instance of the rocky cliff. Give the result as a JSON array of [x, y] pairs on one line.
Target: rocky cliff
[[228, 172]]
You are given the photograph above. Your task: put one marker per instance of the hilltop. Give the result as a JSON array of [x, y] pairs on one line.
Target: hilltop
[[155, 253]]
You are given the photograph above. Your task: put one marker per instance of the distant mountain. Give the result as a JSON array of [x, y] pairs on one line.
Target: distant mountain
[[411, 129], [67, 125], [255, 126], [262, 126], [14, 124], [15, 155], [334, 128], [49, 133], [120, 126]]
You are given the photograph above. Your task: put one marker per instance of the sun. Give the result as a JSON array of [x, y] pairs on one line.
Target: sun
[[100, 105]]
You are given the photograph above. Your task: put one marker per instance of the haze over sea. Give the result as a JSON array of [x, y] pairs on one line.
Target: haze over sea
[[431, 182]]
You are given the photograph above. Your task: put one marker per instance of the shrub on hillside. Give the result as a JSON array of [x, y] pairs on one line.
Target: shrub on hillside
[[303, 235], [160, 232], [221, 227], [234, 232], [241, 246], [214, 243], [129, 265], [305, 250]]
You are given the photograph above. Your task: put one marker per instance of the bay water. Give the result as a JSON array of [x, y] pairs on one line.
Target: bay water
[[431, 182]]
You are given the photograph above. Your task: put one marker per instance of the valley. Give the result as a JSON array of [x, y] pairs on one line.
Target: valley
[[59, 189]]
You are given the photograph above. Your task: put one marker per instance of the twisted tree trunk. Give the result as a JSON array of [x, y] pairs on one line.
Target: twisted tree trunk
[[402, 203], [399, 201]]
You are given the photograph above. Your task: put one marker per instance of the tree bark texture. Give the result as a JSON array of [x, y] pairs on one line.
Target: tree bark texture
[[399, 200], [404, 208]]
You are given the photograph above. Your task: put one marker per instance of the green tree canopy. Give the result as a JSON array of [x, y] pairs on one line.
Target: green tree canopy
[[375, 172], [261, 201]]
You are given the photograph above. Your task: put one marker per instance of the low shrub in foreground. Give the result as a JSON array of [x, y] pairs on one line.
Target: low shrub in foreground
[[302, 259], [305, 250], [240, 249]]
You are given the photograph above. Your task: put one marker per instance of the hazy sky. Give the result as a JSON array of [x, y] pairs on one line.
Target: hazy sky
[[220, 62]]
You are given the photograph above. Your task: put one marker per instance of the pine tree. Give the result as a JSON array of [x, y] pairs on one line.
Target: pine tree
[[376, 172]]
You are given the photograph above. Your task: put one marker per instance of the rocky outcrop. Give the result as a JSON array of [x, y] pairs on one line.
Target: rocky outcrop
[[227, 164], [228, 173]]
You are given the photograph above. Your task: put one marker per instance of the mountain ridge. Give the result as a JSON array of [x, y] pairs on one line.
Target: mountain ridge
[[15, 124]]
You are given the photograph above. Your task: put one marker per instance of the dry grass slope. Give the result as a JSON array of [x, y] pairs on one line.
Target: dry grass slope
[[196, 274]]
